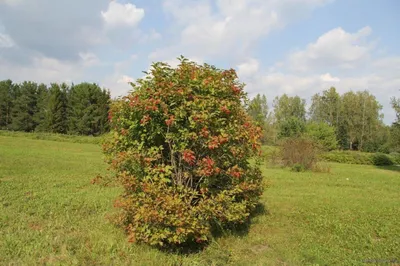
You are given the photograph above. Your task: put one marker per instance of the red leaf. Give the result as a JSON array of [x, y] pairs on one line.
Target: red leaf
[[225, 110], [170, 120], [145, 119], [189, 157]]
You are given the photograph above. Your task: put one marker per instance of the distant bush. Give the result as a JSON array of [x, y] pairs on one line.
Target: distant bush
[[298, 168], [385, 148], [375, 145], [349, 157], [299, 153], [356, 157], [381, 159], [396, 157]]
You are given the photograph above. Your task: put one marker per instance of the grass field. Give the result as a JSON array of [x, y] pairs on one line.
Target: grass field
[[50, 213]]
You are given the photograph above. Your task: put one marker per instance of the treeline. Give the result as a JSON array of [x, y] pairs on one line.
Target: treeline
[[80, 109], [351, 121]]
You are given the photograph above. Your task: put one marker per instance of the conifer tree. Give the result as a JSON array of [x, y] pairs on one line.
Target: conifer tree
[[57, 108], [6, 87], [42, 110], [88, 109], [25, 107]]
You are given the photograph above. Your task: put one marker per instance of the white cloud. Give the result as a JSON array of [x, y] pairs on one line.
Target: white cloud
[[388, 66], [118, 81], [125, 79], [183, 11], [328, 78], [288, 83], [66, 27], [11, 2], [218, 34], [122, 14], [331, 52], [6, 41], [336, 48], [172, 61], [307, 85], [43, 69], [175, 62], [230, 27], [89, 59], [248, 68], [153, 35], [118, 84]]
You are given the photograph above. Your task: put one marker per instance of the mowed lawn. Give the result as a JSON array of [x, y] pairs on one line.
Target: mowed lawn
[[51, 214]]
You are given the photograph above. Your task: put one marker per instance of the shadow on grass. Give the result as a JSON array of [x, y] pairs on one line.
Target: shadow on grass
[[395, 168], [236, 229], [218, 231]]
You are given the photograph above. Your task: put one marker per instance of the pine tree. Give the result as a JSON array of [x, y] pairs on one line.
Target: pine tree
[[77, 103], [100, 113], [57, 108], [25, 107], [6, 101], [41, 116], [88, 109]]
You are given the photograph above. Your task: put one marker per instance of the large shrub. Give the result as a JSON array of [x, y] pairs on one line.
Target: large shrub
[[181, 147]]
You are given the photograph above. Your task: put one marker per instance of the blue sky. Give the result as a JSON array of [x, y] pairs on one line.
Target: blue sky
[[298, 47]]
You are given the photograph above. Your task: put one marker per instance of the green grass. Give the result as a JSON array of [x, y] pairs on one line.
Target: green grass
[[50, 213], [52, 136]]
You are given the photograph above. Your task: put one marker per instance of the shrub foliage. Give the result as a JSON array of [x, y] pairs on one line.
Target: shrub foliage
[[355, 157], [323, 134], [181, 143], [299, 153], [291, 128], [349, 157], [396, 157], [381, 159]]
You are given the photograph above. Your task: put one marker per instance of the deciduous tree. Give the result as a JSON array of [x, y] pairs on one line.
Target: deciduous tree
[[286, 107], [259, 111], [325, 107]]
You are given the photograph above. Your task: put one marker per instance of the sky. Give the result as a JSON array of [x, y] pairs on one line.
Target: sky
[[297, 47]]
